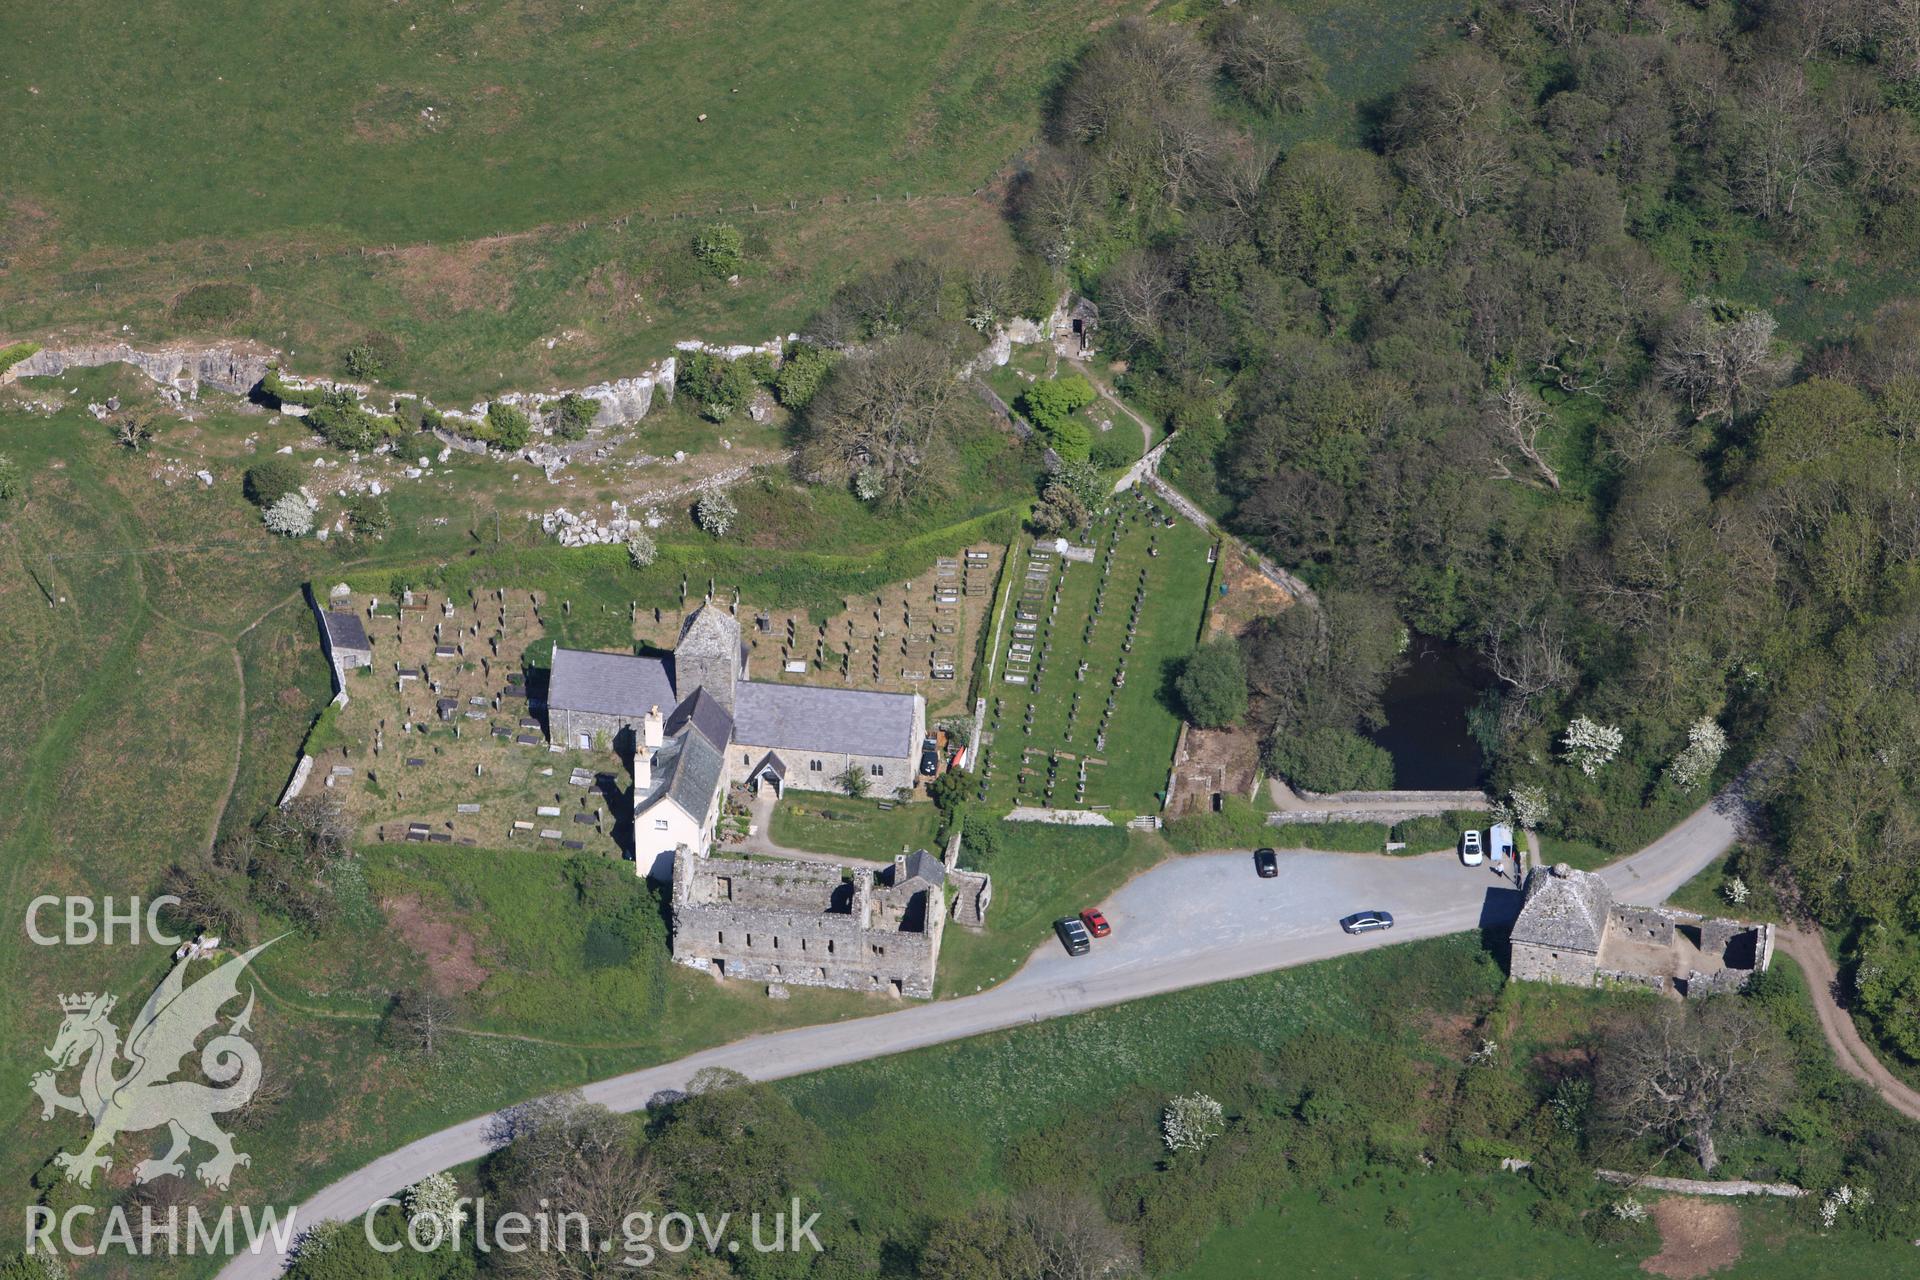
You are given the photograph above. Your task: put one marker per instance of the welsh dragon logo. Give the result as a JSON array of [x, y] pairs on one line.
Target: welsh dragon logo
[[145, 1096]]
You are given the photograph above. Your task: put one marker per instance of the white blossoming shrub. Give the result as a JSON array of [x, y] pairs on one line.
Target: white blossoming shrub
[[1191, 1121], [1736, 890], [1706, 743], [868, 484], [642, 550], [1486, 1055], [289, 515], [317, 1241], [1524, 807], [716, 513], [1843, 1199], [1629, 1210], [1591, 745], [435, 1200]]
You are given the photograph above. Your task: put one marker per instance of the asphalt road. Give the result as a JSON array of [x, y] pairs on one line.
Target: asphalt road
[[1190, 921]]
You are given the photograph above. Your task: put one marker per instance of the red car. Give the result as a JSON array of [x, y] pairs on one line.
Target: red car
[[1096, 923]]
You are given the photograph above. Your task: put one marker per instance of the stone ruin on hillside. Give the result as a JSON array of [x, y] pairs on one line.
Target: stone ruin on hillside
[[1571, 930]]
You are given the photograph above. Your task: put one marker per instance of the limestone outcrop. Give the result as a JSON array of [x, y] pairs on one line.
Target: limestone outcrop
[[233, 368]]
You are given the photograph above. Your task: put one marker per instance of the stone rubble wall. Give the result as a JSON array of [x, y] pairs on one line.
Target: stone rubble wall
[[237, 368], [1701, 1186]]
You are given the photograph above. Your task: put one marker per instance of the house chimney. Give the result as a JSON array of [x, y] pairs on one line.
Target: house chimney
[[642, 773], [654, 732]]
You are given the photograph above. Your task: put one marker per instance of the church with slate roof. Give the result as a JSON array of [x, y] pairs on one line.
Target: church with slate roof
[[696, 724]]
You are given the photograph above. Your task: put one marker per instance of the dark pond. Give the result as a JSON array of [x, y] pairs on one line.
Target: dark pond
[[1426, 730]]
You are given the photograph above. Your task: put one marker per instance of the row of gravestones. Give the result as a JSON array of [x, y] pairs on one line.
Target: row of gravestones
[[1115, 533]]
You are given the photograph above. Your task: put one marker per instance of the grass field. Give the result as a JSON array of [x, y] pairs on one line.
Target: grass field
[[920, 1136], [1706, 894], [854, 828], [507, 186], [1442, 1228], [1066, 636], [403, 124]]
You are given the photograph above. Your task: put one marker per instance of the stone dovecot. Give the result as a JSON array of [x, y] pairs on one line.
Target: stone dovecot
[[1571, 930], [1561, 924]]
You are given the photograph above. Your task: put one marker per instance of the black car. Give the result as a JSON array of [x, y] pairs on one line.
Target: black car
[[1073, 935], [1266, 864], [1367, 921], [929, 757]]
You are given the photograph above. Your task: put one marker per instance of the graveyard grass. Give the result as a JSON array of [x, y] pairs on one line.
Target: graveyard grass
[[1140, 736], [427, 768]]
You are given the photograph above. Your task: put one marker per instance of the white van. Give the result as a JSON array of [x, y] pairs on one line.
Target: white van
[[1500, 842]]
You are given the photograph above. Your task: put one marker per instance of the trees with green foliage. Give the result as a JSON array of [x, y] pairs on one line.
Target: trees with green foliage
[[1330, 758], [801, 372], [1051, 405], [980, 837], [375, 357], [1212, 685], [1051, 401], [717, 384], [370, 516], [340, 419], [733, 1142], [507, 427], [271, 478], [573, 413], [1887, 977]]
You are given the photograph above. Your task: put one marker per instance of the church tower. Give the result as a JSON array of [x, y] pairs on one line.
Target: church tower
[[708, 655]]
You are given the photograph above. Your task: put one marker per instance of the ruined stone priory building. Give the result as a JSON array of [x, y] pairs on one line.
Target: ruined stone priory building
[[812, 924], [1571, 930]]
